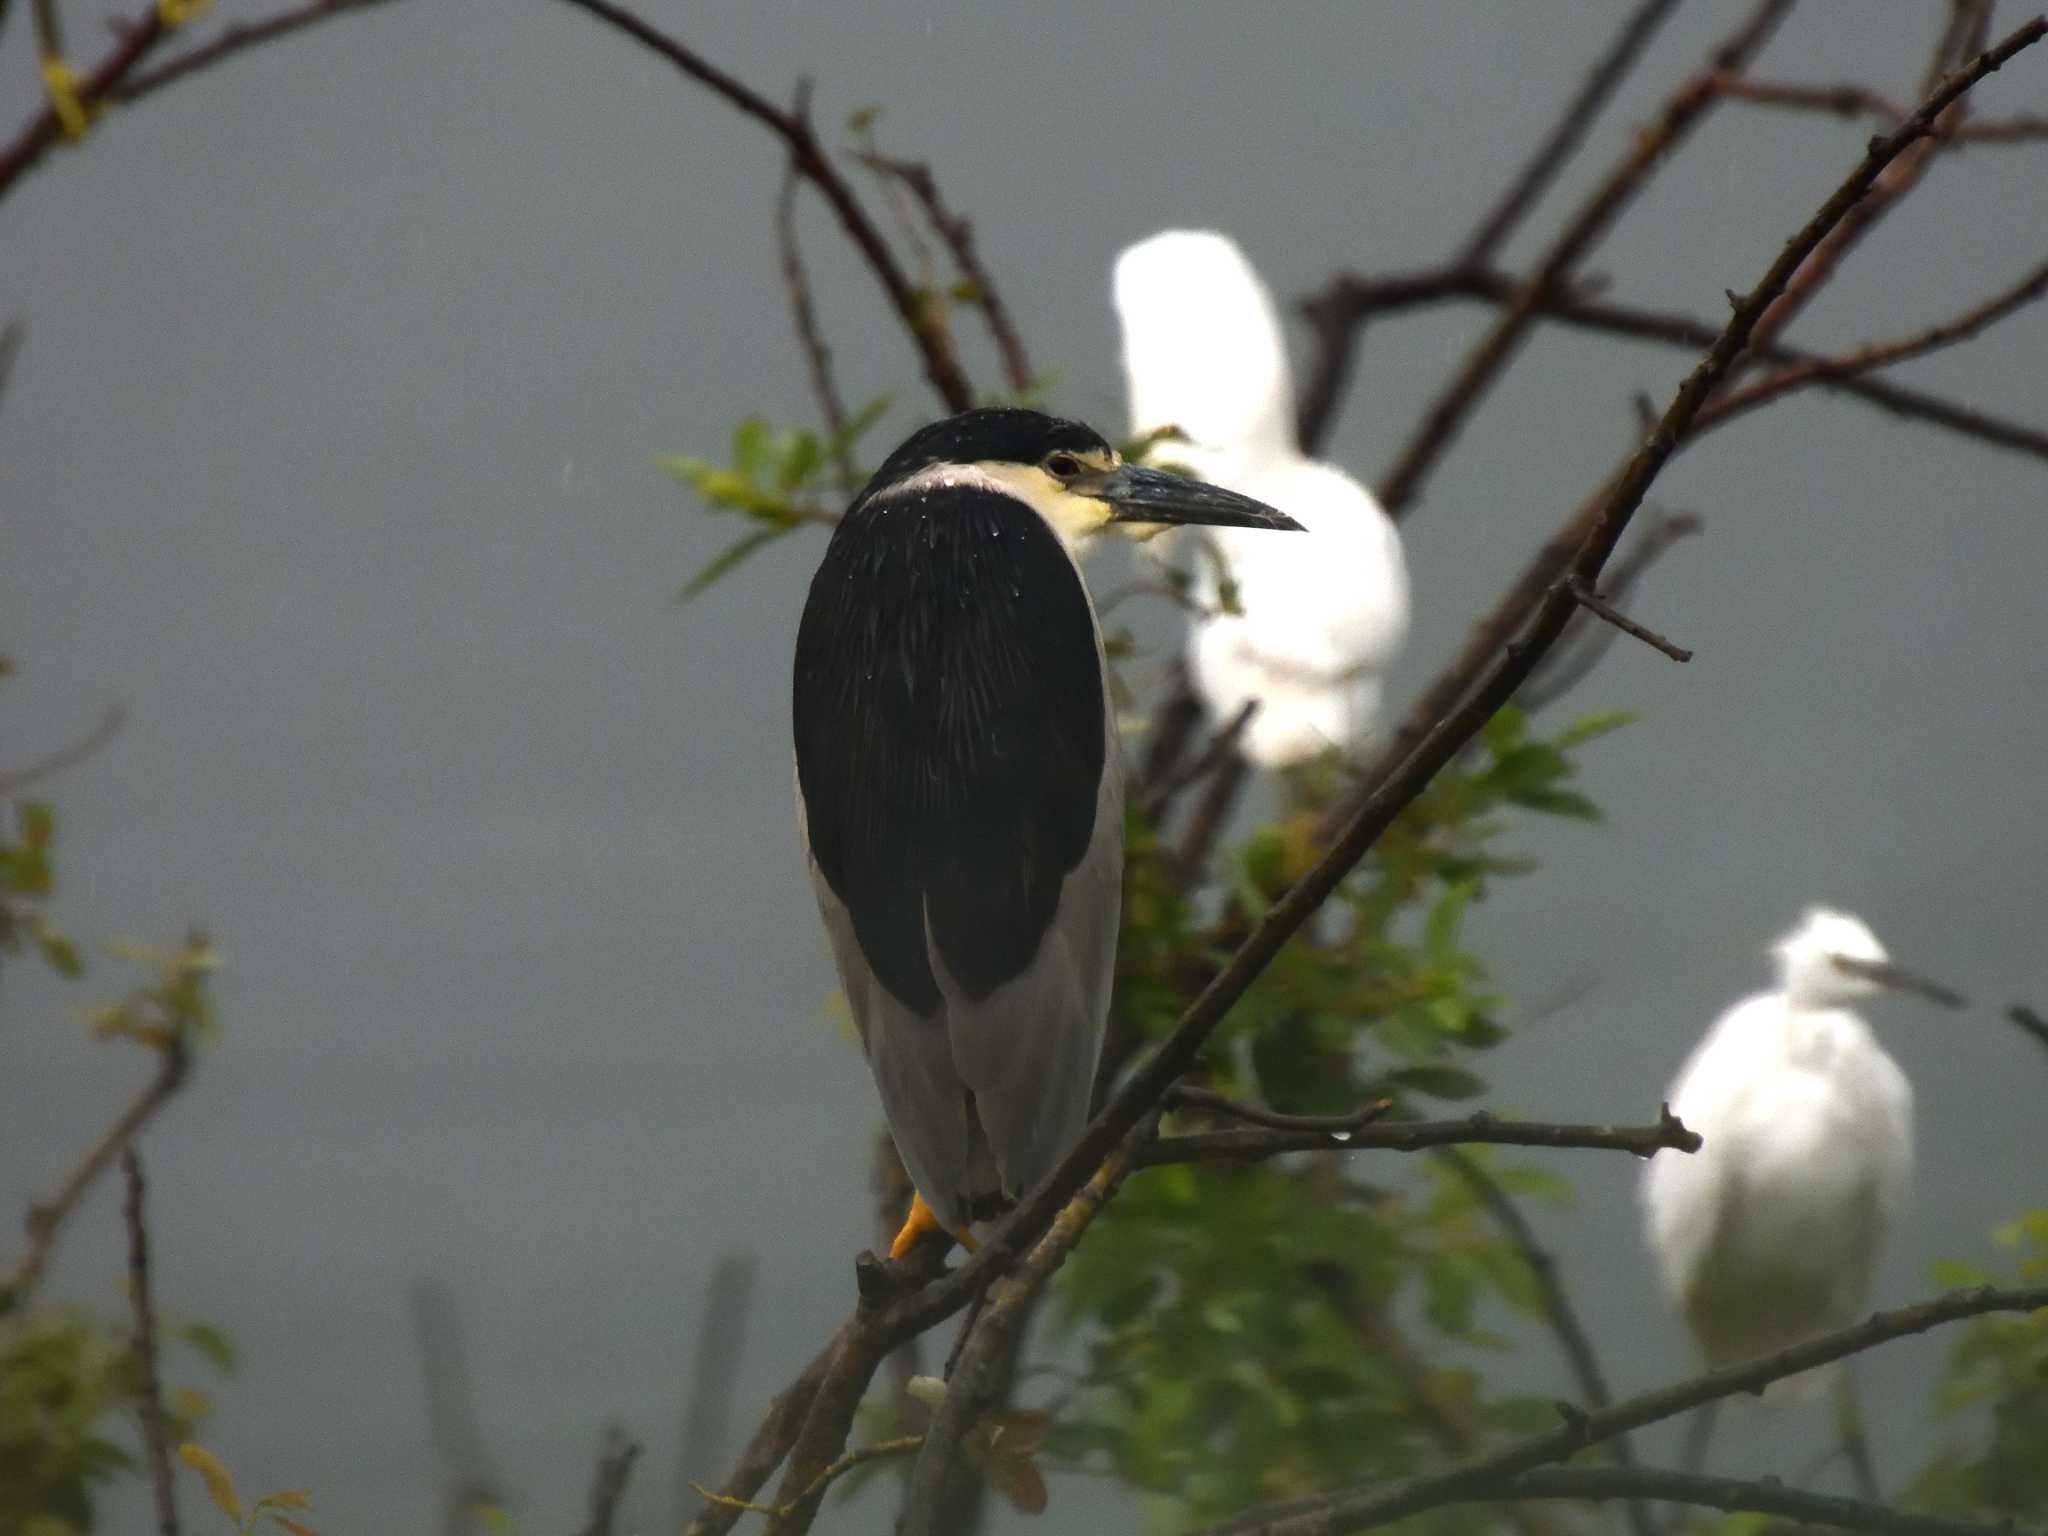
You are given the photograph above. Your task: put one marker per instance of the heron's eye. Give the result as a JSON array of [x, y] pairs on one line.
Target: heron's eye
[[1063, 465]]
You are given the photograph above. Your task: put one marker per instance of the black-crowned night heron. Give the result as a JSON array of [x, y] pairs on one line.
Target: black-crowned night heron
[[960, 787], [1769, 1234]]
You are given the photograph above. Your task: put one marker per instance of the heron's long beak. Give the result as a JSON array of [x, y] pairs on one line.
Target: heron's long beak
[[1138, 495], [1888, 975]]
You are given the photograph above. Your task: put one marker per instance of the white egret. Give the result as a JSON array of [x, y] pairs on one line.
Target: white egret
[[1322, 617], [1768, 1235]]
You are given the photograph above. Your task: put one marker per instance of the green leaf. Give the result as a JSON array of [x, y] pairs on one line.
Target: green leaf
[[1591, 727], [1439, 1082], [1558, 802], [728, 559], [753, 447], [212, 1343]]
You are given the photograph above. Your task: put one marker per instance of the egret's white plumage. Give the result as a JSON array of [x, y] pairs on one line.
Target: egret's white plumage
[[1770, 1232], [1322, 617]]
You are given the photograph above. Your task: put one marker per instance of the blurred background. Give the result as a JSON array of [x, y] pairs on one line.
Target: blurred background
[[329, 457]]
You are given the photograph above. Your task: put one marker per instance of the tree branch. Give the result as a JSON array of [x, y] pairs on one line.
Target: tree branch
[[615, 1459], [920, 317], [1420, 1135], [14, 780], [957, 233], [1368, 296], [1649, 149], [2029, 1021], [149, 1397], [1734, 1494], [47, 1217], [975, 1380], [1330, 369], [1185, 1096], [796, 286], [1878, 355], [1600, 608], [231, 41], [1358, 1509]]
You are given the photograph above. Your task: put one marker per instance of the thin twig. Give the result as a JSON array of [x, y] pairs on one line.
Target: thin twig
[[860, 1456], [1793, 376], [230, 41], [1225, 782], [1567, 669], [616, 1455], [796, 285], [2029, 1021], [1363, 1508], [11, 335], [1768, 1497], [1600, 608], [1331, 367], [1367, 296], [1220, 747], [47, 1217], [771, 1441], [1648, 150], [149, 1395], [14, 780], [957, 233], [920, 317], [1186, 1096], [1572, 1339], [975, 1379], [46, 128], [1419, 1136]]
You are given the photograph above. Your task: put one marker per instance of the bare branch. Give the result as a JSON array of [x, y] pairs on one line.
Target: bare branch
[[1418, 1136], [150, 1397], [1600, 608], [1568, 668], [1185, 1096], [231, 41], [920, 317], [796, 285], [1330, 369], [1649, 150], [1878, 355], [14, 780], [1359, 1509], [469, 1482], [1572, 1338], [1366, 296], [1838, 100], [615, 1459], [47, 1217], [2029, 1021], [958, 235], [974, 1381], [1769, 1497]]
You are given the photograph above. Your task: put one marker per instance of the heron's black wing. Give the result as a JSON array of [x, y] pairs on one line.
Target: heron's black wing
[[950, 733]]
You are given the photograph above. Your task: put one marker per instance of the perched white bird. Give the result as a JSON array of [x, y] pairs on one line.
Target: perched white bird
[[1768, 1235], [1322, 618]]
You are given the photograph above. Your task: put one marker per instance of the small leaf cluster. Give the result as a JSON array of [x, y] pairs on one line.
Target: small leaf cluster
[[1997, 1378], [227, 1498], [26, 880], [772, 481]]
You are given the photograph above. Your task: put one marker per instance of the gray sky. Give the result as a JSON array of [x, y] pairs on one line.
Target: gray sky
[[330, 457]]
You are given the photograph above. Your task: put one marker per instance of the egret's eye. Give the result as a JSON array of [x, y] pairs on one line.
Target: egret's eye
[[1063, 465]]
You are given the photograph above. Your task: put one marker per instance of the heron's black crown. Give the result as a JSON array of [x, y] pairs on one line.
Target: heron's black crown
[[994, 434]]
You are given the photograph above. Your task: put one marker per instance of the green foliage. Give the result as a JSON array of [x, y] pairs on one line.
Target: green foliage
[[227, 1498], [1260, 1331], [772, 482], [1997, 1378], [26, 880]]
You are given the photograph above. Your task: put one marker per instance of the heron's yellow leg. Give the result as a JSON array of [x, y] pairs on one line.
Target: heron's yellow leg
[[923, 1219], [61, 85]]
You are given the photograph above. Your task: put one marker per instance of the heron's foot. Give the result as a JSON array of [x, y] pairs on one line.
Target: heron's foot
[[175, 13], [921, 1220], [61, 85]]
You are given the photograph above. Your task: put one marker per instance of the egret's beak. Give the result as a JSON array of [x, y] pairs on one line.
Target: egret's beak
[[1134, 494], [1886, 974]]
